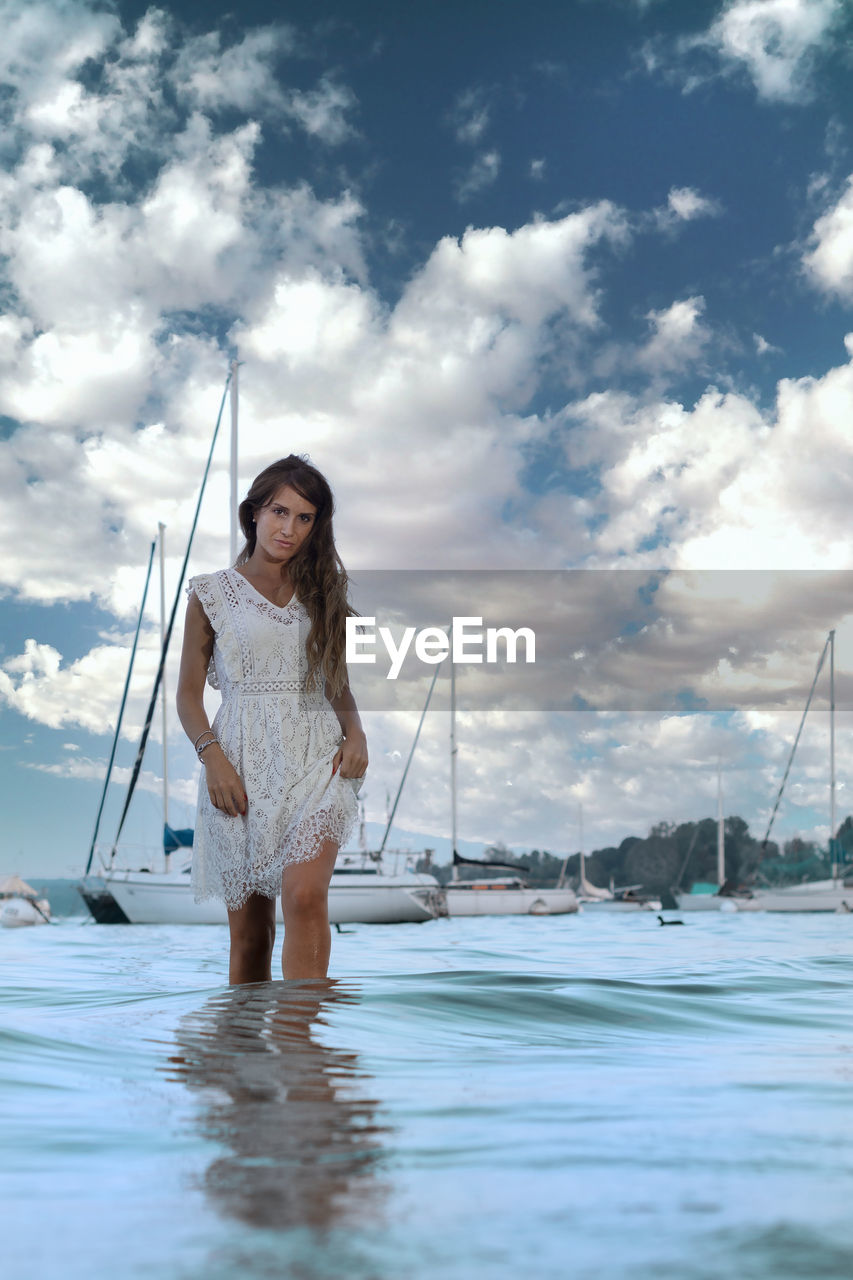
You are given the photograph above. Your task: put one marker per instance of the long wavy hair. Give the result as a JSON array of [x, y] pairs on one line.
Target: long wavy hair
[[316, 573]]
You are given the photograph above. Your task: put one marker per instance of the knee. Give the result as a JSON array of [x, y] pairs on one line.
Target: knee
[[254, 946], [305, 897]]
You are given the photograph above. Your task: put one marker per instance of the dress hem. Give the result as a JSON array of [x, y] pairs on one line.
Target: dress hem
[[305, 847]]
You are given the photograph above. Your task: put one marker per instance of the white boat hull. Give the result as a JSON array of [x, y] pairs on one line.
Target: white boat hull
[[707, 902], [820, 895], [17, 912], [509, 902], [619, 904], [354, 898]]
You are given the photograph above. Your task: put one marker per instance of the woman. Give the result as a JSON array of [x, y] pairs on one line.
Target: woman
[[286, 752]]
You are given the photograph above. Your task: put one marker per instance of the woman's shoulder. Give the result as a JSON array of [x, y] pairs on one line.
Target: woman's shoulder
[[214, 593], [204, 580]]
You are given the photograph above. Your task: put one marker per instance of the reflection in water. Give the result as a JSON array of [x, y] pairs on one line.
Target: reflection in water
[[303, 1143]]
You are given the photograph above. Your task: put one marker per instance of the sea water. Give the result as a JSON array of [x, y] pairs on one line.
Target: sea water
[[581, 1096]]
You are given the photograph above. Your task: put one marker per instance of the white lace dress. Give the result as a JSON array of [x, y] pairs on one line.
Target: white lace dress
[[279, 737]]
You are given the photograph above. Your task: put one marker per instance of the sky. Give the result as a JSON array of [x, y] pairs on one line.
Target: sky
[[550, 288]]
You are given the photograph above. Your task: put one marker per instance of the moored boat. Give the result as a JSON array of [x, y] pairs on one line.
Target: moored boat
[[704, 897], [20, 904], [507, 896], [361, 891], [629, 897], [816, 895], [833, 894]]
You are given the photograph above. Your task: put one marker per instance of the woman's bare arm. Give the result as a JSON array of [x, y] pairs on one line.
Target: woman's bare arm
[[223, 782], [352, 755]]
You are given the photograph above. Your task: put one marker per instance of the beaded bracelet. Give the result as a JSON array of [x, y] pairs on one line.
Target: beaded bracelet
[[205, 745]]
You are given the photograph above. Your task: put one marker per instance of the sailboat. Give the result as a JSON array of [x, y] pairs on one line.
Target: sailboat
[[507, 895], [834, 894], [727, 897], [363, 888], [625, 897], [20, 904]]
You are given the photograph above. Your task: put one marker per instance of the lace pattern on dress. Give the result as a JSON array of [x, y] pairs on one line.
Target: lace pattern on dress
[[279, 736], [270, 686], [234, 882], [208, 587]]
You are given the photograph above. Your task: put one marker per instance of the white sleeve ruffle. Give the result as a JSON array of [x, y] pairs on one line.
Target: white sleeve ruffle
[[207, 588]]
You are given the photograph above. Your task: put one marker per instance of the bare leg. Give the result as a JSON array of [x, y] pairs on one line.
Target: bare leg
[[305, 905], [252, 938]]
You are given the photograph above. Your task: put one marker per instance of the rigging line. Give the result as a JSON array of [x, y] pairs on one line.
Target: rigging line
[[687, 857], [168, 635], [121, 710], [794, 747], [408, 762]]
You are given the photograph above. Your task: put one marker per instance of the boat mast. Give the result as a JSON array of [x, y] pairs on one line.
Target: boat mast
[[581, 859], [453, 750], [152, 705], [121, 710], [235, 364], [721, 830], [830, 642], [561, 878], [832, 753], [161, 530]]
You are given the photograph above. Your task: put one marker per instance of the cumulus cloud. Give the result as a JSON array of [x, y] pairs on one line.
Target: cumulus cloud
[[54, 40], [38, 685], [527, 275], [182, 790], [763, 347], [103, 97], [89, 124], [103, 357], [323, 111], [211, 75], [721, 483], [684, 204], [626, 771], [470, 115], [93, 335], [441, 379], [482, 173], [829, 259], [117, 392], [94, 282], [678, 337], [776, 43]]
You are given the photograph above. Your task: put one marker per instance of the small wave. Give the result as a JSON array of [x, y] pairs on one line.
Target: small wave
[[558, 1010]]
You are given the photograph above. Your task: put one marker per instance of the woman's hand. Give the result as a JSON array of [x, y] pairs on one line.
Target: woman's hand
[[351, 756], [224, 785]]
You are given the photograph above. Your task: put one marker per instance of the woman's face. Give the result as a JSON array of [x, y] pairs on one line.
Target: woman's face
[[284, 524]]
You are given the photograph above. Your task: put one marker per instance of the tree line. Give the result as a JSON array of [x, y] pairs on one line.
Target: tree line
[[672, 855]]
